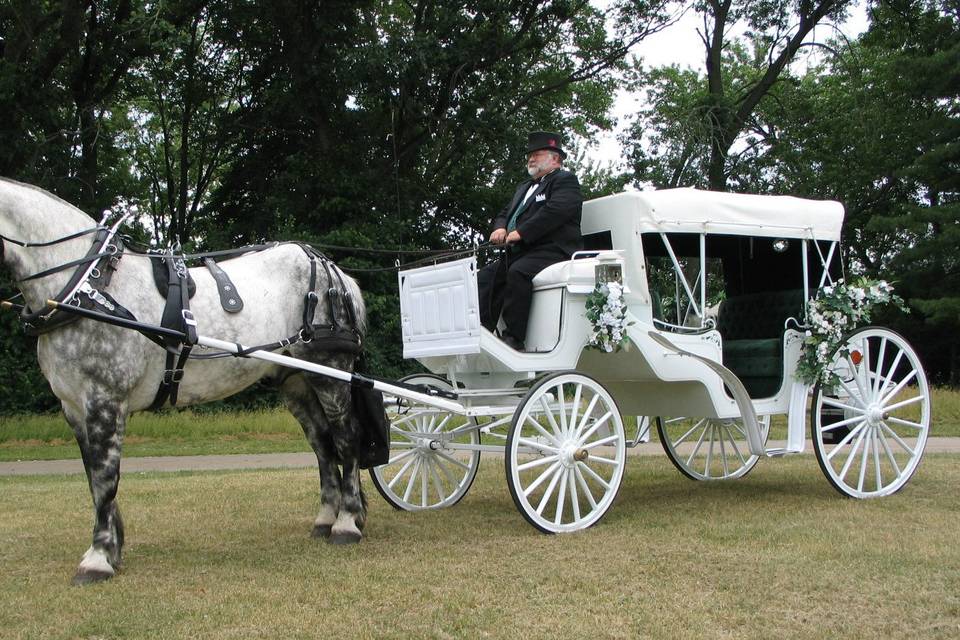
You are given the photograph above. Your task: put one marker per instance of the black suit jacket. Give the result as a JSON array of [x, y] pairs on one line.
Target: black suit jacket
[[550, 218]]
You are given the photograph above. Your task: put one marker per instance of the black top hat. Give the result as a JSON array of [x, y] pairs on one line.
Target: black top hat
[[545, 140]]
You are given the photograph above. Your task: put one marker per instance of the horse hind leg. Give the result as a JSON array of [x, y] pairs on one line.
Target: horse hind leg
[[99, 434], [335, 398]]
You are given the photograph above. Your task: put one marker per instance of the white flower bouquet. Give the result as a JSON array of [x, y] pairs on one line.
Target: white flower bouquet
[[607, 313]]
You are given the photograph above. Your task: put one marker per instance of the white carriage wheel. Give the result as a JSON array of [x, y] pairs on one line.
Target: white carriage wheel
[[870, 427], [709, 449], [566, 453], [424, 472]]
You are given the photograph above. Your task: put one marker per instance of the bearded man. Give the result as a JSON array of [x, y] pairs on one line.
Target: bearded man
[[539, 227]]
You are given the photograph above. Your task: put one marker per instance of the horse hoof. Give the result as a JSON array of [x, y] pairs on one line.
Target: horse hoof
[[345, 537], [321, 531], [91, 576]]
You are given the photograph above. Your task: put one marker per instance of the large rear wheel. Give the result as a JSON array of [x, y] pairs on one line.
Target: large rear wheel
[[869, 425]]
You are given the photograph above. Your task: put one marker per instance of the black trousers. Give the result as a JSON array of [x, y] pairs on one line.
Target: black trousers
[[506, 286]]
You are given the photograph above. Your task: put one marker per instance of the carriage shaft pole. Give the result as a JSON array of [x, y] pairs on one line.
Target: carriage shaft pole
[[331, 372]]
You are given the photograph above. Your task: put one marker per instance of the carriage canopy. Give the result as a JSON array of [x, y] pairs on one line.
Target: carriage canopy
[[695, 211]]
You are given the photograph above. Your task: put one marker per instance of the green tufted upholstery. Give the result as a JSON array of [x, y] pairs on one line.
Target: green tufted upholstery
[[752, 330]]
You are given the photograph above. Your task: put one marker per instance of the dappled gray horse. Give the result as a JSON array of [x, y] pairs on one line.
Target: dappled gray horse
[[102, 373]]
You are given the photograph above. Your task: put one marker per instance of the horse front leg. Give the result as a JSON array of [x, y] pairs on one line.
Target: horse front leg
[[348, 528], [99, 432], [299, 397]]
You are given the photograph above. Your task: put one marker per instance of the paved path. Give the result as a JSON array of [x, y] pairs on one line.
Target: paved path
[[287, 461]]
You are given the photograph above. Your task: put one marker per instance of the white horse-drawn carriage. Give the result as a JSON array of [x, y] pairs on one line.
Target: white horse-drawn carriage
[[712, 378], [717, 292]]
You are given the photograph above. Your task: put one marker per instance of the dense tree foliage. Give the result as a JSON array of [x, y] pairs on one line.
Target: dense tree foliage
[[399, 124], [376, 123]]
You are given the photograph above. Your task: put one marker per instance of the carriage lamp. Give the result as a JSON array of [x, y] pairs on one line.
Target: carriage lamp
[[780, 245], [608, 272]]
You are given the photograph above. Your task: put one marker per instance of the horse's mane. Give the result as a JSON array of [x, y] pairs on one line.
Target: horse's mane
[[43, 191]]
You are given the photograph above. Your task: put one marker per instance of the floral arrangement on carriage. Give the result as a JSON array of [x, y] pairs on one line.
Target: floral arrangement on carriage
[[837, 310], [607, 313]]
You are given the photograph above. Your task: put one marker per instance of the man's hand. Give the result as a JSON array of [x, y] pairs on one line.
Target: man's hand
[[498, 236], [513, 237]]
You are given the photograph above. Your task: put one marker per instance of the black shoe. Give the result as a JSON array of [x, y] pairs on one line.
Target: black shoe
[[513, 343]]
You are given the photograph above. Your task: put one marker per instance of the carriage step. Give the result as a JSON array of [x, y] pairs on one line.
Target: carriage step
[[779, 452]]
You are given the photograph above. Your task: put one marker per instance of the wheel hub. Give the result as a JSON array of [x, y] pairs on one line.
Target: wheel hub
[[571, 454], [876, 415]]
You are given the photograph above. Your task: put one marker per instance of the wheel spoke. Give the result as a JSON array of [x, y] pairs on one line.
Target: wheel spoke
[[841, 423], [406, 454], [575, 407], [443, 423], [452, 460], [846, 440], [853, 453], [706, 464], [437, 482], [445, 469], [904, 403], [584, 487], [539, 446], [593, 474], [890, 456], [876, 460], [549, 413], [543, 432], [596, 425], [905, 423], [893, 434], [836, 404], [561, 498], [602, 460], [574, 497], [865, 457], [543, 476], [548, 493], [537, 462], [562, 410], [900, 385], [684, 436], [412, 481], [890, 371], [601, 442], [733, 445], [402, 471], [586, 415], [696, 447], [878, 376]]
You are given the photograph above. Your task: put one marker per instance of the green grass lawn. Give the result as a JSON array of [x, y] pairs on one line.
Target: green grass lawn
[[778, 554], [272, 431]]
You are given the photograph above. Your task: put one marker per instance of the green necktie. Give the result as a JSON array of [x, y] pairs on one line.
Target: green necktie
[[512, 224]]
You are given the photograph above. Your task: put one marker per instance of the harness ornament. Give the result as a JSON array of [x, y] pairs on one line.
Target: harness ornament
[[839, 309]]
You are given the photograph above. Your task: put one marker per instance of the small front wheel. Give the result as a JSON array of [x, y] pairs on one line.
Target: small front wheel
[[566, 453], [869, 422], [428, 469]]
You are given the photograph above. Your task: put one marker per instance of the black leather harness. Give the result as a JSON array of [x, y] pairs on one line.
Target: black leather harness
[[87, 289]]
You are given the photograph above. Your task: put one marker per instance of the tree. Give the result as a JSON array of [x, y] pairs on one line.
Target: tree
[[716, 113]]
